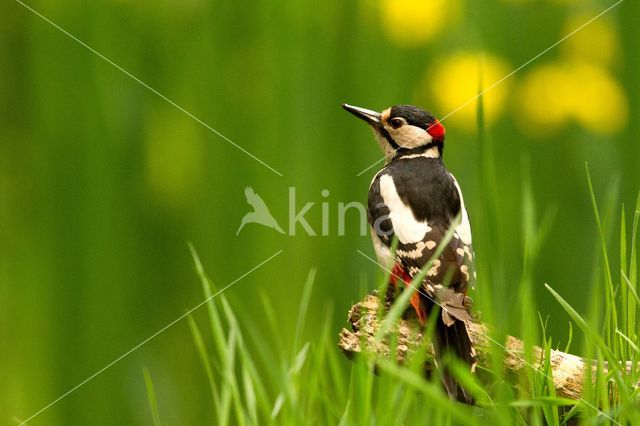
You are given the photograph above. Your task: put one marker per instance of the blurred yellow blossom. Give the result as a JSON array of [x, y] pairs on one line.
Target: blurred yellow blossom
[[544, 99], [600, 102], [551, 95], [411, 23], [455, 81], [597, 42]]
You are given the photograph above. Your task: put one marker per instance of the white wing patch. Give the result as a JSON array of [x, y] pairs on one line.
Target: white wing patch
[[405, 225], [464, 228]]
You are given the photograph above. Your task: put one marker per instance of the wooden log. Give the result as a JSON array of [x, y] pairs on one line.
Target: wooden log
[[568, 370]]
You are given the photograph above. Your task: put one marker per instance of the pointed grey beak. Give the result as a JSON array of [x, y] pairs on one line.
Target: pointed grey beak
[[371, 117]]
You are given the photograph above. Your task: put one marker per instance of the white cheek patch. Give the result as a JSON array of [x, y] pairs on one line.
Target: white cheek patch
[[406, 227], [409, 136]]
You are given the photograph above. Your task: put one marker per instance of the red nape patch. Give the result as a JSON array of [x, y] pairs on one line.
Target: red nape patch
[[436, 130]]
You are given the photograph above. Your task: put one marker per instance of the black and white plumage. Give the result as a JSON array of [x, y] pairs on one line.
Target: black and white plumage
[[415, 199]]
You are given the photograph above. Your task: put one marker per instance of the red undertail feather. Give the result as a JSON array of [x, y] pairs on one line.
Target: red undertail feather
[[399, 274]]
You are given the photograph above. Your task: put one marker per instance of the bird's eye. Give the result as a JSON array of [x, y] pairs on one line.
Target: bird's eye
[[396, 122]]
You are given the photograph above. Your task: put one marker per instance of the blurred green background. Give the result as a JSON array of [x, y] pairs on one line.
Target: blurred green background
[[103, 183]]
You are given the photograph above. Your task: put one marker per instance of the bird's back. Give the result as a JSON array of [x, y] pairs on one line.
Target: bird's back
[[417, 200]]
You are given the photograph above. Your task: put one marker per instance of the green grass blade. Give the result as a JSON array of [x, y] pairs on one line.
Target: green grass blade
[[215, 322], [630, 287], [627, 320], [151, 396], [569, 339], [250, 395], [629, 341], [611, 317], [587, 329], [277, 406], [344, 420], [545, 402], [274, 326], [304, 307], [204, 359], [433, 392]]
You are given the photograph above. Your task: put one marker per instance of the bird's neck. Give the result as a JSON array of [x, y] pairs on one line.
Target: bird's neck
[[430, 150]]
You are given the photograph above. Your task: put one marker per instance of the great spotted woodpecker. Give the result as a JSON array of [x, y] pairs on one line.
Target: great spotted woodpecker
[[416, 199]]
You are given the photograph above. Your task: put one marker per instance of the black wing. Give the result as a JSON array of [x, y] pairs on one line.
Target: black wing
[[431, 194]]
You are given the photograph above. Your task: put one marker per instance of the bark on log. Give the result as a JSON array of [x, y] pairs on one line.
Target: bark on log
[[568, 370]]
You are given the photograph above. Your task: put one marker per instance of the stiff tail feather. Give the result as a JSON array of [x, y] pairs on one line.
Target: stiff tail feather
[[455, 338]]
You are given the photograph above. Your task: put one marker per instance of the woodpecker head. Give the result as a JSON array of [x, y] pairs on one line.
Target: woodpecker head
[[403, 128]]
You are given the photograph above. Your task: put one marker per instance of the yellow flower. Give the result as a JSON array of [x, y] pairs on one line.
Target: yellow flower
[[552, 95], [597, 42], [453, 85], [544, 99], [600, 103], [412, 23]]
